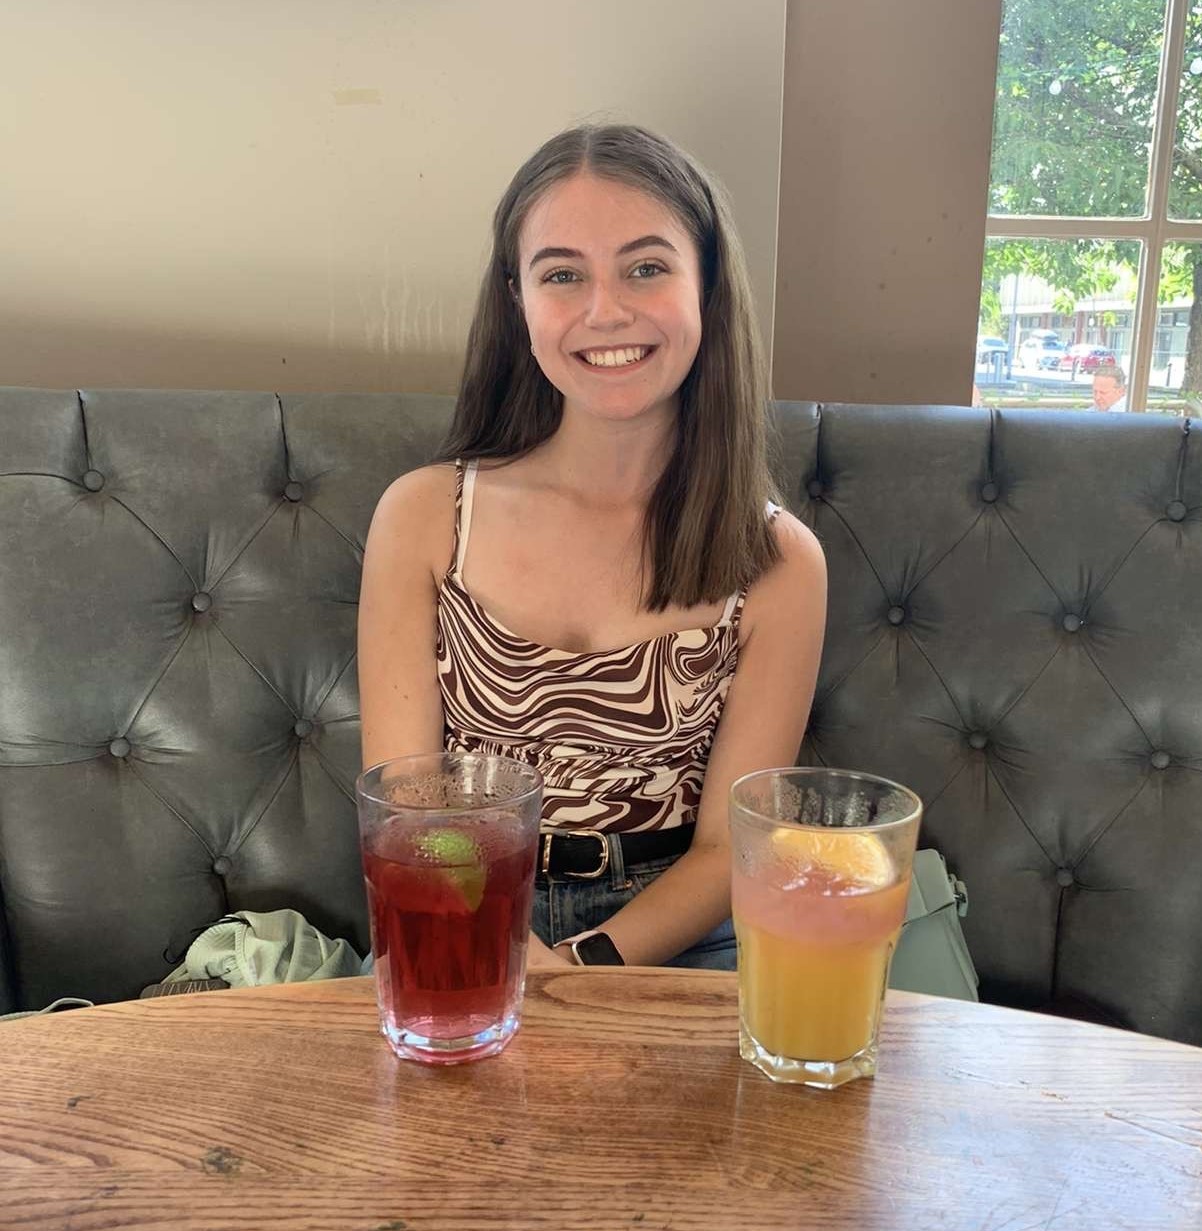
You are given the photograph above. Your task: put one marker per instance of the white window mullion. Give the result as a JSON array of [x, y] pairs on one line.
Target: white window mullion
[[1023, 226], [1147, 303]]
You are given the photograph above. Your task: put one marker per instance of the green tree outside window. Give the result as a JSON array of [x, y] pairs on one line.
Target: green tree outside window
[[1073, 127]]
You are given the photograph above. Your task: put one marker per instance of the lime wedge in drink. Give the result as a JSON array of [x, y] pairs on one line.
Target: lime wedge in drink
[[459, 862]]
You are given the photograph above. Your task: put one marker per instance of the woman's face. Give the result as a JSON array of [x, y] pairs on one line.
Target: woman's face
[[611, 291]]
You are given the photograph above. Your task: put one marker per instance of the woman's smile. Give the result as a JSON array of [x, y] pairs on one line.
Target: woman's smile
[[610, 359]]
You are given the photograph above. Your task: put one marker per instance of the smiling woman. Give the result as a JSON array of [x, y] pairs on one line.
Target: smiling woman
[[593, 579], [614, 322]]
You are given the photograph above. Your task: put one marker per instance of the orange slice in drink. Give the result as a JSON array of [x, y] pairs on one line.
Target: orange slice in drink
[[845, 853]]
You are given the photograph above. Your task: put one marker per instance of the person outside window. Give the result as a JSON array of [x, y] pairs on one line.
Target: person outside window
[[1109, 388]]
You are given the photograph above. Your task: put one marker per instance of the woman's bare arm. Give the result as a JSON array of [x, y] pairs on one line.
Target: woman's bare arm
[[762, 725], [408, 550]]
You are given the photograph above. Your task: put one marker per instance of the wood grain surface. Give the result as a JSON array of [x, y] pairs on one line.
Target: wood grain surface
[[622, 1103]]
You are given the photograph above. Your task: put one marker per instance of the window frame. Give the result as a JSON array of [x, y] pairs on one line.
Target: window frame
[[1153, 229]]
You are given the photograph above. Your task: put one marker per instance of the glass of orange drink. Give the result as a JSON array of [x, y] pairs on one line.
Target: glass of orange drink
[[821, 873]]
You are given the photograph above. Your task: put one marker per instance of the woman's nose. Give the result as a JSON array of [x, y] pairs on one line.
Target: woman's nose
[[607, 306]]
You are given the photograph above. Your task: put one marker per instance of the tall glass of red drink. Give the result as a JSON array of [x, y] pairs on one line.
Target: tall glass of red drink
[[449, 845]]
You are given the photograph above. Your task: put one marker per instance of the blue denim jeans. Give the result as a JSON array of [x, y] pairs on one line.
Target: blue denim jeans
[[564, 906]]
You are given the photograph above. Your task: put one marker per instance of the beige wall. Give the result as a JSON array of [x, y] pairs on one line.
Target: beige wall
[[888, 114], [294, 194]]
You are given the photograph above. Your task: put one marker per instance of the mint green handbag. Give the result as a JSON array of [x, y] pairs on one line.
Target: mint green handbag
[[931, 955]]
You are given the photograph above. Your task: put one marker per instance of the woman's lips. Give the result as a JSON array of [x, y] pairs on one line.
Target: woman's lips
[[609, 369]]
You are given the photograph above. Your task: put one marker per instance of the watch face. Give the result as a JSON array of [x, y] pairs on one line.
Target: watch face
[[598, 950]]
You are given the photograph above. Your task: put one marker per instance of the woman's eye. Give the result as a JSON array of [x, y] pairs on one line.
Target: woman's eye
[[560, 276], [648, 269]]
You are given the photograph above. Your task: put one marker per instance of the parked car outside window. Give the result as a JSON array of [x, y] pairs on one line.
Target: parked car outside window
[[1086, 357], [1042, 350], [988, 347]]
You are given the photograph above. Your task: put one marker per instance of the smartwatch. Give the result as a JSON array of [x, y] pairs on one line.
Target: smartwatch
[[594, 949]]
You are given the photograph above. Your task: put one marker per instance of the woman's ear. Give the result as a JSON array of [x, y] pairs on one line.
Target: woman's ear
[[515, 292]]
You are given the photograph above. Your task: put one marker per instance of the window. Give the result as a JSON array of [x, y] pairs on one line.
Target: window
[[1095, 223]]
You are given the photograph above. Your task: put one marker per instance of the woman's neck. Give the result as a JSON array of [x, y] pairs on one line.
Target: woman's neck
[[605, 462]]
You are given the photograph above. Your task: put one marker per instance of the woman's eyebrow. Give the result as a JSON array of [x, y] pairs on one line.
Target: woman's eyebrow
[[647, 241], [574, 254]]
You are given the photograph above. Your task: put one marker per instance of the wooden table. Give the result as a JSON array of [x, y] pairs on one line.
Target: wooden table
[[622, 1103]]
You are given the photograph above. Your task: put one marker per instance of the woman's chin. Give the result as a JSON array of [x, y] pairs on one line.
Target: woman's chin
[[620, 409]]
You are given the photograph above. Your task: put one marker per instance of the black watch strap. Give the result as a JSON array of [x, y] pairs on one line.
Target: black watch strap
[[597, 949]]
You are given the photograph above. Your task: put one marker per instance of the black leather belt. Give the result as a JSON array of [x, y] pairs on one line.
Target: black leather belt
[[584, 853]]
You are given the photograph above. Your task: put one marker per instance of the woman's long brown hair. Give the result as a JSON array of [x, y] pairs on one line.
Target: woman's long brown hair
[[705, 534]]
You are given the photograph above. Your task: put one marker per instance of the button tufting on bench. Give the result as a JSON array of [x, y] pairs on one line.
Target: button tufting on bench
[[970, 536], [1065, 877]]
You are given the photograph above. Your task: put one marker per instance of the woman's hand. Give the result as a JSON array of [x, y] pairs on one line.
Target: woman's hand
[[539, 957]]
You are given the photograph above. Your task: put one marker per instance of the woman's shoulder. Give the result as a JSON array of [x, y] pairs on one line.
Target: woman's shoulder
[[416, 513], [420, 491], [799, 571], [797, 543]]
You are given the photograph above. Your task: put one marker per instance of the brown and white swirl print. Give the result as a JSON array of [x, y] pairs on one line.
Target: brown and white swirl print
[[621, 737]]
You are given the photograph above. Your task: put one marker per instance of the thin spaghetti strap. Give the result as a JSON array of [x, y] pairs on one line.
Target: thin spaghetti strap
[[465, 491], [740, 599], [453, 564], [734, 608]]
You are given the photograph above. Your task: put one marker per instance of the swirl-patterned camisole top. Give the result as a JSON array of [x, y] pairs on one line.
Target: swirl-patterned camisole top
[[621, 737]]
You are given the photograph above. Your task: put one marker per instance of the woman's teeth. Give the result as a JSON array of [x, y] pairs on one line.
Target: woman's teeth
[[614, 358]]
